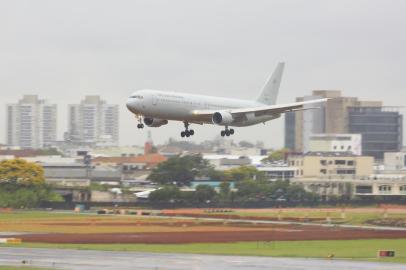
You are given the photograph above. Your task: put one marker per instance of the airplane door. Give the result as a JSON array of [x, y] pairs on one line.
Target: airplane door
[[154, 100]]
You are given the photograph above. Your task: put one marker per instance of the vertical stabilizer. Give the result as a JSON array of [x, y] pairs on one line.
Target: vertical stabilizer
[[269, 93]]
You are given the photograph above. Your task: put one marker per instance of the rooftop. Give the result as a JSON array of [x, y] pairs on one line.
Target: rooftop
[[327, 154], [151, 159]]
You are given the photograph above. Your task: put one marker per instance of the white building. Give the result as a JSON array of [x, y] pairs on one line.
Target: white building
[[93, 121], [31, 123], [395, 161], [226, 162], [373, 185], [336, 143]]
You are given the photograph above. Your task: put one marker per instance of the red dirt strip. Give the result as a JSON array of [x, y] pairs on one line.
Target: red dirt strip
[[305, 233]]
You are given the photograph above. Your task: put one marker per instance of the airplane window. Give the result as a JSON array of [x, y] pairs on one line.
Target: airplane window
[[137, 96]]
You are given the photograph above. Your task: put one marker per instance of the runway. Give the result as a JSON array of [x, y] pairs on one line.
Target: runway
[[92, 260]]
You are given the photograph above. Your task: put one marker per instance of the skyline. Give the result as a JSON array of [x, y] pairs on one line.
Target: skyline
[[223, 48]]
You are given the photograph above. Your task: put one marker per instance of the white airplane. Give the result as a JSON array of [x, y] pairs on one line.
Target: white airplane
[[156, 108]]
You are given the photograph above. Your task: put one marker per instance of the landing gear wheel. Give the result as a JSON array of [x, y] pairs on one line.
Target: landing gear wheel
[[227, 132], [187, 132], [140, 124]]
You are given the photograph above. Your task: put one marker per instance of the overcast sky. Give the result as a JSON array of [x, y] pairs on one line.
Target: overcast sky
[[63, 50]]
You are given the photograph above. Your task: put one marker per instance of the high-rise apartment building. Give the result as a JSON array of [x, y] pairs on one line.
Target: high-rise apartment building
[[381, 130], [94, 122], [31, 123]]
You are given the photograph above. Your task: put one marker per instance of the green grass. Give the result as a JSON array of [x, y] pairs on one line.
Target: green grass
[[21, 215], [353, 218], [342, 249]]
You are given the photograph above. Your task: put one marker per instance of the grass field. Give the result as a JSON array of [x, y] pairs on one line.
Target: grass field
[[42, 221], [342, 249], [69, 222], [59, 222], [353, 216]]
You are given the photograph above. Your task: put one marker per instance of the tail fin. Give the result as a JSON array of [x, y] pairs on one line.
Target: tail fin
[[269, 93]]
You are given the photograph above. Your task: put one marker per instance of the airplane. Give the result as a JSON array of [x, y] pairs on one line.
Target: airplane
[[155, 108]]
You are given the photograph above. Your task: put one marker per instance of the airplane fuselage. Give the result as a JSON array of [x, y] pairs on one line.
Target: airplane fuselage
[[155, 108], [181, 107]]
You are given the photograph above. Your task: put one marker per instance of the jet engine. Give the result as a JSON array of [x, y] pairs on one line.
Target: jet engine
[[222, 118], [155, 122]]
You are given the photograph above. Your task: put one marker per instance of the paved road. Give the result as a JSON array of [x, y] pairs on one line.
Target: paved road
[[92, 260]]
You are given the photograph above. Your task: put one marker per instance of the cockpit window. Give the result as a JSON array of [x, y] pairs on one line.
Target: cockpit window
[[137, 96]]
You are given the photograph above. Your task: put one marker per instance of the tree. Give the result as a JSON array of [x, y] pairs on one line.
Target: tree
[[225, 188], [251, 190], [204, 193], [49, 152], [180, 170], [12, 195], [165, 195], [21, 172], [277, 155], [244, 173], [22, 184], [246, 144]]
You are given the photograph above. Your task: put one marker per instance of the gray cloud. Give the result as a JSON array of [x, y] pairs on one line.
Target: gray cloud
[[63, 50]]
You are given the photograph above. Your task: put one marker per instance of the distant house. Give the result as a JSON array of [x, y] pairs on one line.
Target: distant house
[[20, 153]]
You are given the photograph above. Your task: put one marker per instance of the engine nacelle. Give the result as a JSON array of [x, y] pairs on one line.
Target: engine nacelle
[[222, 118], [155, 122]]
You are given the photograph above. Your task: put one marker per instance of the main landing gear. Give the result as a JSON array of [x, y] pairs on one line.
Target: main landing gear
[[140, 124], [227, 132], [187, 132]]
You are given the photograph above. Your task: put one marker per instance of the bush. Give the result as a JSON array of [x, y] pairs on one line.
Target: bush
[[17, 196]]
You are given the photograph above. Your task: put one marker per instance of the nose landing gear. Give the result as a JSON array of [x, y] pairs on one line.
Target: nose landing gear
[[187, 132], [140, 124], [227, 132]]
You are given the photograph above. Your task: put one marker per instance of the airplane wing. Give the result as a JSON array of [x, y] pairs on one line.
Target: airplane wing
[[205, 115]]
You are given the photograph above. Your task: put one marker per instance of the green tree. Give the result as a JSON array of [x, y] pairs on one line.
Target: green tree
[[246, 144], [204, 193], [165, 195], [225, 188], [277, 155], [22, 185], [180, 170], [22, 196], [244, 173], [49, 152], [251, 190]]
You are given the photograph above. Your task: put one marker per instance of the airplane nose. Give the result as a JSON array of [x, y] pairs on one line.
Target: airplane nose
[[130, 104]]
